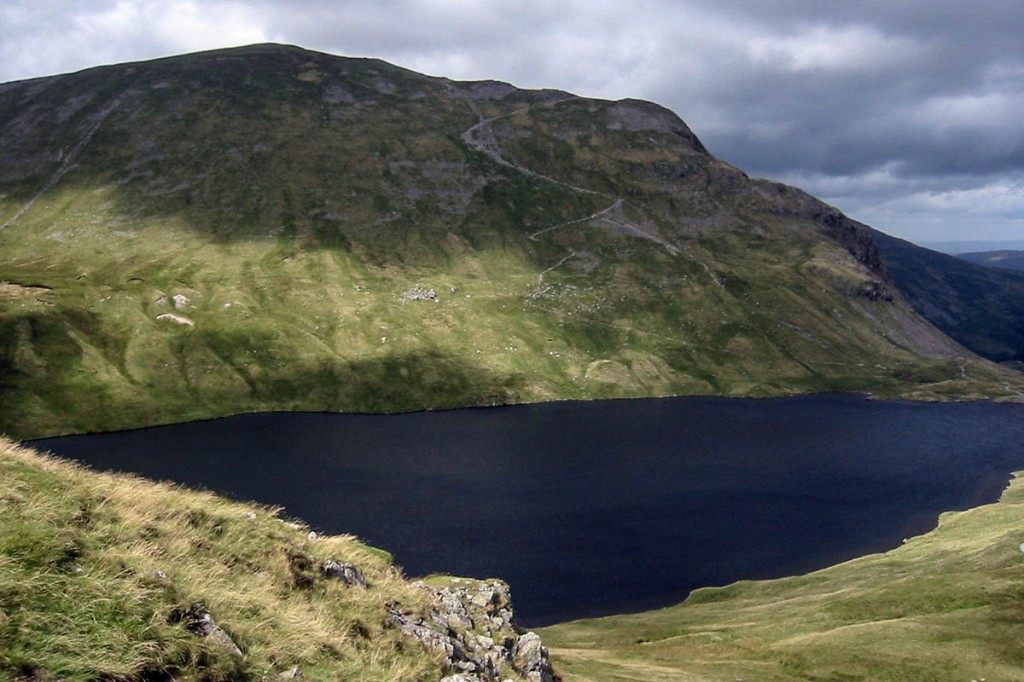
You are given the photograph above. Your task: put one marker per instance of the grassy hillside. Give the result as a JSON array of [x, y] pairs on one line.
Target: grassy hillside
[[945, 606], [261, 228], [100, 576]]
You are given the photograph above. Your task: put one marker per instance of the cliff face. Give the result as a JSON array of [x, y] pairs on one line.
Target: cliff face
[[241, 230]]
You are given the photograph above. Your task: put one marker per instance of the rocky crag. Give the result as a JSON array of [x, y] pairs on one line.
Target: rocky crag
[[472, 623]]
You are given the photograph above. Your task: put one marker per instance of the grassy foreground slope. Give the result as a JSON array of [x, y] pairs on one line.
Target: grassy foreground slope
[[100, 575], [945, 606], [261, 229]]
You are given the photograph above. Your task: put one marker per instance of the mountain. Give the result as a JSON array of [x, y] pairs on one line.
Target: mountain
[[1006, 259], [980, 307], [269, 228]]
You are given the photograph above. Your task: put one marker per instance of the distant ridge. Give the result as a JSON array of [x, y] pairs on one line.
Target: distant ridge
[[1006, 259], [956, 248]]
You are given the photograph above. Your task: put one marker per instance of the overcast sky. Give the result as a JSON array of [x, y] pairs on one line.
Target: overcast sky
[[906, 114]]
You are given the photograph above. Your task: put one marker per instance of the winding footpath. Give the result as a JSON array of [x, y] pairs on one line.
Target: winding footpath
[[480, 137]]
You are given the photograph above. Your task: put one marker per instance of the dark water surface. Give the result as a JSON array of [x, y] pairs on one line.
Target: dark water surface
[[593, 508]]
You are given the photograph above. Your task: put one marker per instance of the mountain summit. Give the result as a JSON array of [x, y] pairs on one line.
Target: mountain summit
[[272, 228]]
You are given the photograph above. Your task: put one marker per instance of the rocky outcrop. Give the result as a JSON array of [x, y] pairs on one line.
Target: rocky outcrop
[[640, 116], [858, 239], [472, 624], [349, 574]]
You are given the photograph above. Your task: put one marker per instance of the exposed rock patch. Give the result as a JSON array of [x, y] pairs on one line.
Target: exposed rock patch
[[874, 290], [472, 623], [490, 90], [418, 293], [639, 116]]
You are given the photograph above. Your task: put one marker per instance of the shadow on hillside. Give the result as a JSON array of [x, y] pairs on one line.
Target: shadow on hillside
[[982, 308], [423, 380], [60, 395]]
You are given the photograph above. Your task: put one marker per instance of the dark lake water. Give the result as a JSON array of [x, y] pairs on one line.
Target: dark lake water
[[593, 508]]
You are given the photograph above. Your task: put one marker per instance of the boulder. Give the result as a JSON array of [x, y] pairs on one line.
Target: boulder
[[531, 659], [346, 573], [199, 622], [177, 319]]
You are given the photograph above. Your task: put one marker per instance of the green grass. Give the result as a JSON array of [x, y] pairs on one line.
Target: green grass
[[945, 606], [282, 325], [95, 568]]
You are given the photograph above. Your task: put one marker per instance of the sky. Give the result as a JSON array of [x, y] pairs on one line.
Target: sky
[[905, 114]]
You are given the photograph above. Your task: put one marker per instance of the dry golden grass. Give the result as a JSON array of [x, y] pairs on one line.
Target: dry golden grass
[[94, 567]]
